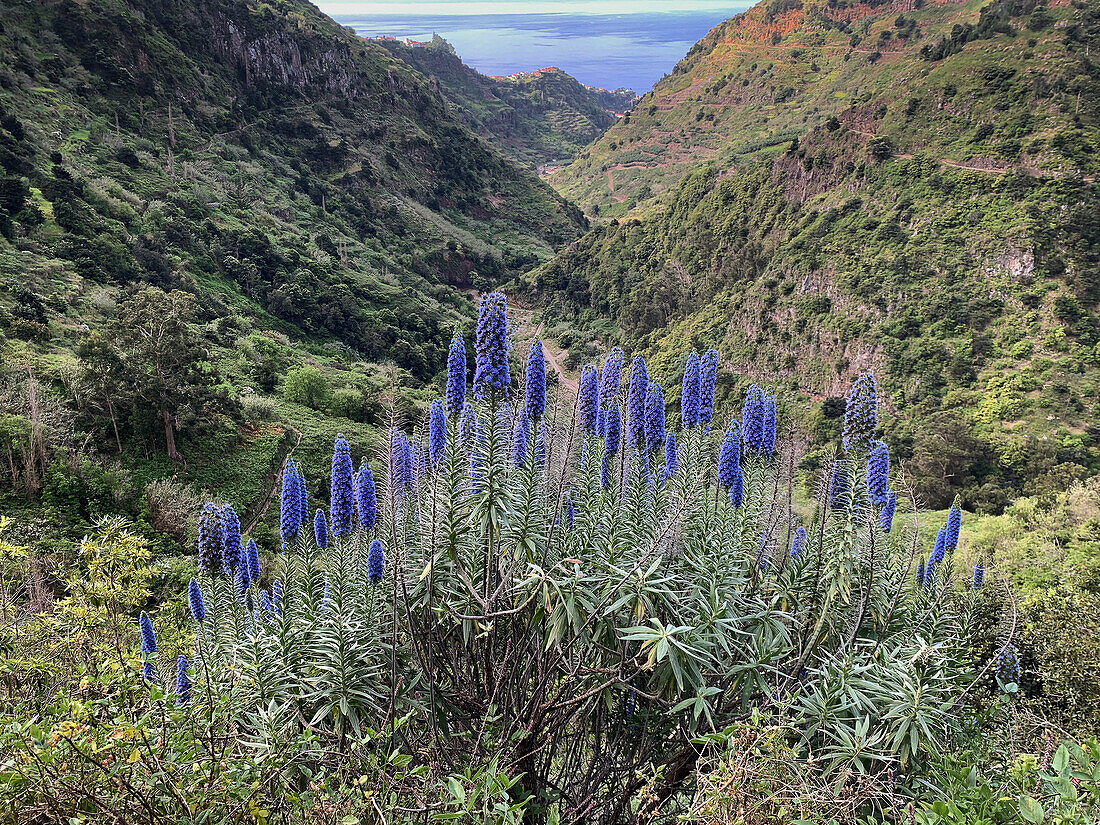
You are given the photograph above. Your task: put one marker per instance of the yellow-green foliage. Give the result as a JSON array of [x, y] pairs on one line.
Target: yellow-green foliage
[[1043, 541]]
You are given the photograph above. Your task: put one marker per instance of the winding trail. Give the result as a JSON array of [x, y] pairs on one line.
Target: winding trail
[[526, 330], [1034, 171]]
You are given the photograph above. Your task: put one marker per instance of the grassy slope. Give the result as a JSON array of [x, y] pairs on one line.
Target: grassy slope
[[536, 119], [763, 78], [973, 293], [307, 187]]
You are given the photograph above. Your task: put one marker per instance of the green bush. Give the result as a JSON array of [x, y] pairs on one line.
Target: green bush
[[257, 408], [309, 386]]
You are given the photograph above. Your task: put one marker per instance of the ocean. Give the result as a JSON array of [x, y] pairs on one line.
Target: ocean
[[631, 50]]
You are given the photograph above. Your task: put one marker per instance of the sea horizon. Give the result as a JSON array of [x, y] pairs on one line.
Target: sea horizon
[[611, 51]]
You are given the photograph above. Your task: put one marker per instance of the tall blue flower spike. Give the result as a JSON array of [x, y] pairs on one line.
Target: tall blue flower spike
[[195, 601], [240, 582], [798, 543], [252, 559], [954, 525], [635, 404], [737, 488], [729, 456], [289, 516], [183, 682], [839, 486], [320, 529], [708, 378], [148, 637], [400, 467], [303, 500], [456, 375], [654, 417], [521, 435], [570, 510], [342, 504], [939, 549], [979, 575], [690, 390], [920, 571], [886, 515], [410, 464], [588, 399], [149, 672], [437, 432], [534, 386], [767, 438], [672, 457], [878, 473], [366, 497], [611, 377], [752, 420], [861, 413], [492, 376], [376, 562], [232, 552], [613, 431], [210, 539]]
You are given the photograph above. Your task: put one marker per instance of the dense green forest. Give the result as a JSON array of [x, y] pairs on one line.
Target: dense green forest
[[770, 493]]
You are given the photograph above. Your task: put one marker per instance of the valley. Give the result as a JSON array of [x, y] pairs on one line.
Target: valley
[[386, 442]]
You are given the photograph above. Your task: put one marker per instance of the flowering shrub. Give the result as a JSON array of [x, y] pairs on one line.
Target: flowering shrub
[[577, 599]]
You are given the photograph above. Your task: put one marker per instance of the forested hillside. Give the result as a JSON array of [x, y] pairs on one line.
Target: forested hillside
[[205, 203], [834, 188], [539, 117]]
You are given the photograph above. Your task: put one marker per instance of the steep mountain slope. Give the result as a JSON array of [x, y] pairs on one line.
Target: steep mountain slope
[[989, 85], [540, 117], [257, 154], [228, 229], [926, 208]]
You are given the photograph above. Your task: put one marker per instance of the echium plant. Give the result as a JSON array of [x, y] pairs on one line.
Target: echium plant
[[588, 399], [456, 376], [708, 378], [690, 392], [861, 413], [610, 377], [492, 377], [584, 608], [342, 502]]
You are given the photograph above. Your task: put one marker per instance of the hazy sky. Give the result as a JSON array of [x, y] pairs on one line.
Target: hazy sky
[[474, 7]]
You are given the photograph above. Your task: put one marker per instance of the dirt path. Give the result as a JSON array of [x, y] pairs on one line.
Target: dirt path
[[553, 357], [996, 170], [526, 330], [611, 184]]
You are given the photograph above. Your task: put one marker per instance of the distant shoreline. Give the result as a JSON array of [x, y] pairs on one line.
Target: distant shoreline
[[610, 51]]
